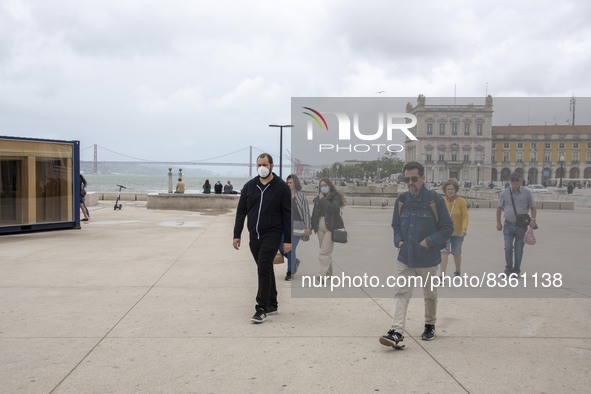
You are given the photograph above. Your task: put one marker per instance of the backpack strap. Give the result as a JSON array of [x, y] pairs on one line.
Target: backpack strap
[[433, 206], [401, 199]]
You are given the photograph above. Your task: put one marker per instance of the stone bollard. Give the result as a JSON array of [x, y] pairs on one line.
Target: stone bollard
[[170, 180]]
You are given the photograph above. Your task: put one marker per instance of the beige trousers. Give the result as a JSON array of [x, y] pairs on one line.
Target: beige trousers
[[403, 294], [326, 246]]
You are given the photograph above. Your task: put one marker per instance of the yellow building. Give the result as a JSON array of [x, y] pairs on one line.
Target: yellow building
[[539, 152], [460, 141]]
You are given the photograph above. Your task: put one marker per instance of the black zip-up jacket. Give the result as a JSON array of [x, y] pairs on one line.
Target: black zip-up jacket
[[267, 207], [331, 204]]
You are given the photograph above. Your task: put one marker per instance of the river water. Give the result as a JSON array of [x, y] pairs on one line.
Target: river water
[[154, 183]]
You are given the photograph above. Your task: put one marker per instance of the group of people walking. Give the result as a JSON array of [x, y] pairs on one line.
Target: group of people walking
[[278, 218], [427, 228]]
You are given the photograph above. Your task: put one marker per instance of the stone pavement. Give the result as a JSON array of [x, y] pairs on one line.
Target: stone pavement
[[148, 301]]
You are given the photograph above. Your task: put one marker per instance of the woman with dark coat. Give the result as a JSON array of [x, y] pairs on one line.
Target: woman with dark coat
[[326, 216]]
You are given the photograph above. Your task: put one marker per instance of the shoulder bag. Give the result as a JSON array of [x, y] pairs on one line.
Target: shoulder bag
[[521, 220], [339, 235]]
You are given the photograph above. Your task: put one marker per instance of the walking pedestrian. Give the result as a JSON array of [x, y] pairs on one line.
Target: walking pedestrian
[[326, 216], [265, 201], [422, 225], [458, 210], [300, 223], [83, 206], [515, 202]]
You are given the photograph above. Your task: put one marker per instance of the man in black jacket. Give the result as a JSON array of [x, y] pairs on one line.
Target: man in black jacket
[[266, 201]]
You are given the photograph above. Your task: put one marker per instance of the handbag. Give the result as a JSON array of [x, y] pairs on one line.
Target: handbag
[[530, 237], [278, 259], [299, 228], [339, 235], [523, 220]]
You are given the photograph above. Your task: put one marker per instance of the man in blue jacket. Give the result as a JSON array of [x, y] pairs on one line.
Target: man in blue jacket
[[266, 201], [422, 225]]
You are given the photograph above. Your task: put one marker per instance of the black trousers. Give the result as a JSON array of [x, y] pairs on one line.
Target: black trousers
[[264, 250]]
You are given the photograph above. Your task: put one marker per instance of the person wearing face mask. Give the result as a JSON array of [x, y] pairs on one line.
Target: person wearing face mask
[[326, 216], [421, 225], [265, 202], [300, 215], [458, 210]]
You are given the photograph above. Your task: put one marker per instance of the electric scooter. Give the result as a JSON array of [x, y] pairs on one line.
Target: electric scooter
[[117, 205]]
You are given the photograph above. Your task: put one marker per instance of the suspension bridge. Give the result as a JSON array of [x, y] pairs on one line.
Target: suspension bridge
[[297, 166]]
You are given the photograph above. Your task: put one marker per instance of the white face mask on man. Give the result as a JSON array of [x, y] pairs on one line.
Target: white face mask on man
[[263, 171]]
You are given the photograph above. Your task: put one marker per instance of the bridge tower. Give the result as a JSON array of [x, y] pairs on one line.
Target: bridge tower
[[95, 162], [250, 163]]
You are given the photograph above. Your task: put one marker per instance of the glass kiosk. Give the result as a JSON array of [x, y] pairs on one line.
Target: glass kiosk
[[39, 184]]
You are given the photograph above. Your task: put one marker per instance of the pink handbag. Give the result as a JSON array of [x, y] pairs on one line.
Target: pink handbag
[[530, 237]]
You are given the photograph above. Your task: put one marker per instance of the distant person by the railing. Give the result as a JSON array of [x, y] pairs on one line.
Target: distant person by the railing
[[180, 186], [207, 187], [228, 188], [218, 187]]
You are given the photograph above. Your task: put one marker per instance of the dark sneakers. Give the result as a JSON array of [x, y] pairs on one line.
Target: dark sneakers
[[393, 339], [289, 275], [272, 310], [429, 333], [259, 316]]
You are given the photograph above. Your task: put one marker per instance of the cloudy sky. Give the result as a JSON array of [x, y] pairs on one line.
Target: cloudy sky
[[190, 80]]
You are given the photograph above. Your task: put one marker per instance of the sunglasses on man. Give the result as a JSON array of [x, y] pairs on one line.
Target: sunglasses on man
[[412, 179]]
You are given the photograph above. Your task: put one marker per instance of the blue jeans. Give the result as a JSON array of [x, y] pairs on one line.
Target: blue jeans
[[291, 256], [513, 246]]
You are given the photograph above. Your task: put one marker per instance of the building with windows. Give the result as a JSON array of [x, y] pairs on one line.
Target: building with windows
[[459, 141], [541, 153], [453, 141]]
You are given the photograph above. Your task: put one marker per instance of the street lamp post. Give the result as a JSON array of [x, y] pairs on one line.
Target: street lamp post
[[281, 145], [478, 174], [561, 164]]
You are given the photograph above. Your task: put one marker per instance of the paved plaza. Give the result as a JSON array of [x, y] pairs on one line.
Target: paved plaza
[[149, 301]]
